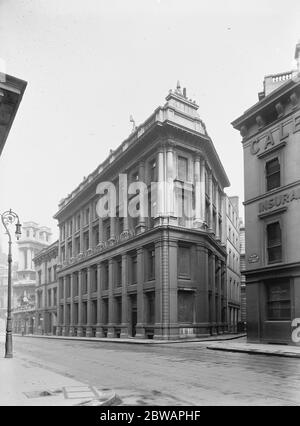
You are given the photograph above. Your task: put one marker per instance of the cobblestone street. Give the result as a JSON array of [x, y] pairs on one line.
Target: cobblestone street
[[183, 373]]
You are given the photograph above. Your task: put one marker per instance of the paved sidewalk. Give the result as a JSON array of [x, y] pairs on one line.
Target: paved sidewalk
[[256, 348], [134, 341], [24, 383]]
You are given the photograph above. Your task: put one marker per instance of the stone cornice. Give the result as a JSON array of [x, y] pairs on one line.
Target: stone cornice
[[269, 100]]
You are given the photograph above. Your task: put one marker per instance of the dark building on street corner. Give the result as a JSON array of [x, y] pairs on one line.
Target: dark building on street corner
[[11, 93], [271, 143], [162, 276]]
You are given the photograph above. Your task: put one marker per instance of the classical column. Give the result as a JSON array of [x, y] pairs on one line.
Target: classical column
[[59, 244], [81, 231], [111, 304], [99, 329], [141, 219], [91, 227], [202, 190], [124, 325], [59, 321], [89, 304], [160, 184], [217, 213], [224, 294], [223, 215], [73, 237], [218, 291], [29, 259], [71, 330], [140, 326], [197, 188], [170, 180], [210, 182], [172, 315], [202, 294], [162, 288], [213, 293], [79, 328], [65, 328], [100, 224], [112, 228]]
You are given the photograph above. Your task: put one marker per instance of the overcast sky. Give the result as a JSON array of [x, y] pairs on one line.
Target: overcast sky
[[90, 64]]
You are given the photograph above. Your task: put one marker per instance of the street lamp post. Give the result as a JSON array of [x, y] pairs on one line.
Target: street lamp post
[[9, 218]]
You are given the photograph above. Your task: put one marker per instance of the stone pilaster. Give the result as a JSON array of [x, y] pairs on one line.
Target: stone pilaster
[[65, 328], [79, 328], [99, 327], [140, 329], [89, 304], [71, 330], [124, 325], [111, 304]]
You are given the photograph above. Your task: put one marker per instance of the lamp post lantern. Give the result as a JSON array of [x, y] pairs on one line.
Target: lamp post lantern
[[9, 218]]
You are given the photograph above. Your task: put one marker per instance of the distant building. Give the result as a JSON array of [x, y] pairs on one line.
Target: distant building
[[271, 143], [46, 290], [242, 269], [34, 238], [233, 263], [162, 276]]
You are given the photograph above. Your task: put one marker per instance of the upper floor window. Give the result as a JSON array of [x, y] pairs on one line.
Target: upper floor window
[[87, 216], [182, 169], [274, 243], [273, 174], [153, 174], [184, 261]]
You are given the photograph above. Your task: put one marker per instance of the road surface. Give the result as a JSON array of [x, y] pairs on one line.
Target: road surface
[[183, 373]]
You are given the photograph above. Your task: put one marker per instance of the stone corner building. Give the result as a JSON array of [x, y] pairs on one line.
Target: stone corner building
[[271, 143], [161, 276]]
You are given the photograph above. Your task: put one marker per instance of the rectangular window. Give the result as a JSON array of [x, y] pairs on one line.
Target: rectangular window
[[49, 298], [185, 307], [118, 279], [86, 240], [150, 297], [95, 235], [87, 216], [274, 244], [153, 174], [151, 264], [278, 301], [133, 269], [49, 275], [84, 281], [184, 262], [273, 174], [54, 296], [94, 279], [77, 245], [105, 275], [182, 169]]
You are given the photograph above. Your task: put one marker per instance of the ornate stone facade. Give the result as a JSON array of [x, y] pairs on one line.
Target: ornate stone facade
[[162, 276]]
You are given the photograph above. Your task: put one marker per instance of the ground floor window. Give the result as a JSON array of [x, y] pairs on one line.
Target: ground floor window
[[278, 300], [185, 307]]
